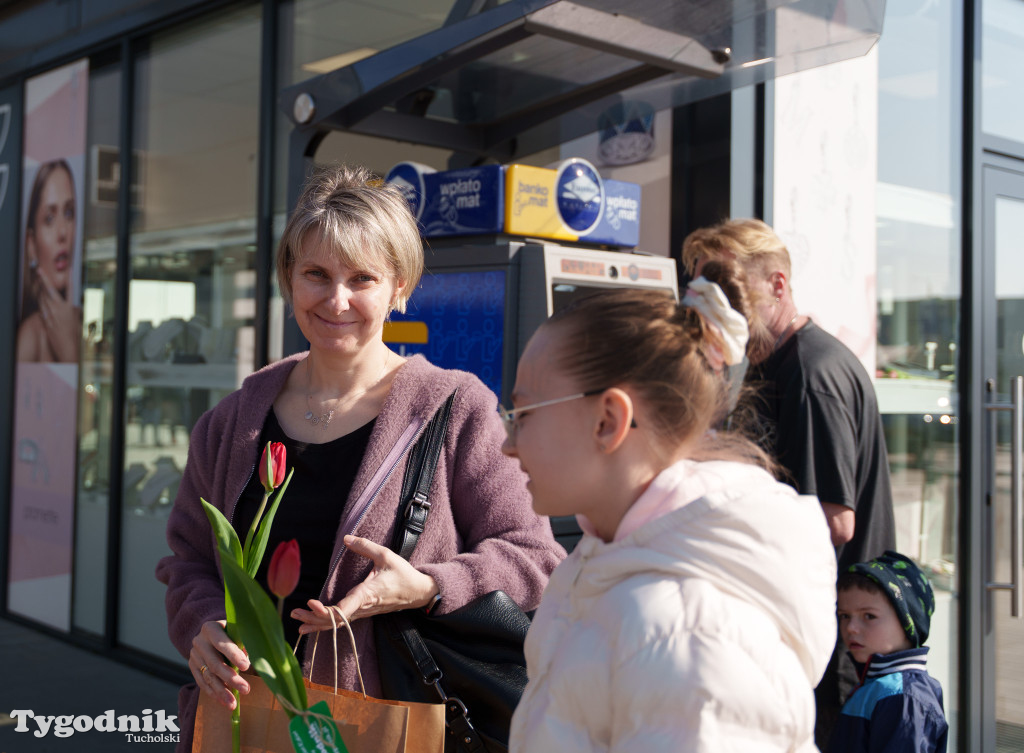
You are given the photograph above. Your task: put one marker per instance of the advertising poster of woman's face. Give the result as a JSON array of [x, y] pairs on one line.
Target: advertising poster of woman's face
[[49, 339], [50, 322], [50, 236]]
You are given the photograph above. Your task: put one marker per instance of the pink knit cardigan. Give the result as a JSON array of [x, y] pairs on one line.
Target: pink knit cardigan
[[481, 535]]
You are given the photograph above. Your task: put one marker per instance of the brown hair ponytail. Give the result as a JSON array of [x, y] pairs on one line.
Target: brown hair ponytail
[[645, 340]]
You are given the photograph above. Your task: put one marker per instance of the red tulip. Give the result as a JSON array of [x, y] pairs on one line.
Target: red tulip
[[272, 468], [285, 565]]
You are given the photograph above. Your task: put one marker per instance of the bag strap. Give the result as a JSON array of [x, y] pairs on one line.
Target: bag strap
[[411, 522], [456, 715], [419, 474]]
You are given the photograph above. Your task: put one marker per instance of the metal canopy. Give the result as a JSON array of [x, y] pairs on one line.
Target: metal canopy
[[525, 75]]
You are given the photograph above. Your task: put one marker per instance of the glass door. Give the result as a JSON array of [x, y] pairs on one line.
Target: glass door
[[1002, 543], [190, 338]]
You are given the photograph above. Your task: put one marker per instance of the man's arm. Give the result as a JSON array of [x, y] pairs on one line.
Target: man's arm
[[841, 522]]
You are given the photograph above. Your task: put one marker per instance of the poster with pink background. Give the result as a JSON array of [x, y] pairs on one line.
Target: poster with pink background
[[48, 345]]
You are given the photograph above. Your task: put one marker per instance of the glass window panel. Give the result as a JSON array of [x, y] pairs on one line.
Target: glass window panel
[[919, 257], [95, 399], [190, 302], [378, 155], [1009, 632], [1002, 78], [519, 76], [329, 34]]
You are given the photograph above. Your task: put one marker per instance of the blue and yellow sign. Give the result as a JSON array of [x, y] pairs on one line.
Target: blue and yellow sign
[[570, 203]]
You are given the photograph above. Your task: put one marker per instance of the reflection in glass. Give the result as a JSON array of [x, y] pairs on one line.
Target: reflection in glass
[[94, 397], [190, 298], [379, 155], [919, 257], [1002, 79], [1009, 632], [331, 35]]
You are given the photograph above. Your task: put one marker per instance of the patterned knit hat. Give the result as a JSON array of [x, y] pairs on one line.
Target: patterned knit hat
[[907, 588]]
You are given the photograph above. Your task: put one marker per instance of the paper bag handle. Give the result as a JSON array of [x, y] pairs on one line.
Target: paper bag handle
[[331, 610]]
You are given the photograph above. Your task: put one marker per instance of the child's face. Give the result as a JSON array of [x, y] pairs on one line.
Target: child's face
[[869, 624]]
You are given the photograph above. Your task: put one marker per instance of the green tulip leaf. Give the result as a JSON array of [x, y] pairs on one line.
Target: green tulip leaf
[[259, 543], [260, 630], [231, 618], [229, 548], [227, 539]]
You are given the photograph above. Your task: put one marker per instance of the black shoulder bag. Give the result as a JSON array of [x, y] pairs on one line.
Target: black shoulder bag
[[470, 659]]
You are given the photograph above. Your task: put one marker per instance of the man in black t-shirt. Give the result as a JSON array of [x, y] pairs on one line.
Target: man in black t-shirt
[[819, 411], [819, 416]]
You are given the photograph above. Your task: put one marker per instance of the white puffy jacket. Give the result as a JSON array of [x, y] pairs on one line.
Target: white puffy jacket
[[705, 629]]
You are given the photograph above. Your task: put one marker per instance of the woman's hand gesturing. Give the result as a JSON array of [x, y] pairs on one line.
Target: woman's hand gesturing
[[394, 584]]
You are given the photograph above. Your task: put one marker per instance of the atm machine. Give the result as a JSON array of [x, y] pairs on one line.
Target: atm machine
[[506, 247], [478, 303]]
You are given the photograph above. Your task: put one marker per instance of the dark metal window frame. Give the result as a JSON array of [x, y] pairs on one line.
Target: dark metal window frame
[[125, 38], [979, 152]]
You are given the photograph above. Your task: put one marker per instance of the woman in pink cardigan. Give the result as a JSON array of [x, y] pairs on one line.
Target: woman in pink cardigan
[[348, 411]]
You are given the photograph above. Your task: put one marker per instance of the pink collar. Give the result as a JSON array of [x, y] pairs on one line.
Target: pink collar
[[672, 489]]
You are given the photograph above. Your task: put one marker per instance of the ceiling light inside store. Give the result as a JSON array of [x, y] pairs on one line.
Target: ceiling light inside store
[[333, 63]]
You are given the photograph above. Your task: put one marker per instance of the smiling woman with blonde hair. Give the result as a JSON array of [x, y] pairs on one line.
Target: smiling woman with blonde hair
[[348, 412]]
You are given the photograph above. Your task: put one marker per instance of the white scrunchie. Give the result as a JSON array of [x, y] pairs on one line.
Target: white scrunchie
[[710, 302]]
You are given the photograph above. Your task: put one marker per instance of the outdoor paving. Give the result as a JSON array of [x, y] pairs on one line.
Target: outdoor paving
[[52, 677]]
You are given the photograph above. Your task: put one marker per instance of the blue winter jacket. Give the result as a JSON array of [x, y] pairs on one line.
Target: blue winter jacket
[[897, 708]]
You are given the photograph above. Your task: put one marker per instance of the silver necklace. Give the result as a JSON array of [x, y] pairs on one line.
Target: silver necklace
[[325, 418], [778, 340]]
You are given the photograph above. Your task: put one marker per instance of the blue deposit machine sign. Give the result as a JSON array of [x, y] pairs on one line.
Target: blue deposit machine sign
[[457, 321]]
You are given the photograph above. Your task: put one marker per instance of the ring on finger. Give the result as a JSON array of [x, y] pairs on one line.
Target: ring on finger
[[202, 671]]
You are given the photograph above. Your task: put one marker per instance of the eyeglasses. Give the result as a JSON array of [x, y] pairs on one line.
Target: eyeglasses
[[508, 417]]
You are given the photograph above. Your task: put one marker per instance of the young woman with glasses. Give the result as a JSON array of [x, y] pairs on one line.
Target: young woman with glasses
[[698, 610]]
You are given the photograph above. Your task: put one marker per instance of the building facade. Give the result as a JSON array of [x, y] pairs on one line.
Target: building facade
[[892, 165]]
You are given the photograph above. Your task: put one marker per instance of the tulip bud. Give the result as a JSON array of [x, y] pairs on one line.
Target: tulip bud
[[283, 574], [272, 466]]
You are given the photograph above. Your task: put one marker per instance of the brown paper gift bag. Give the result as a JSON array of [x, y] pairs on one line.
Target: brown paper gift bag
[[366, 725], [425, 728]]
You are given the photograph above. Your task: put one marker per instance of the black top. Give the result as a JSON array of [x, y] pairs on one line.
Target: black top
[[310, 509], [820, 420]]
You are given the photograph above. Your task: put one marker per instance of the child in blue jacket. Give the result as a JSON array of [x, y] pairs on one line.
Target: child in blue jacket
[[885, 608]]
